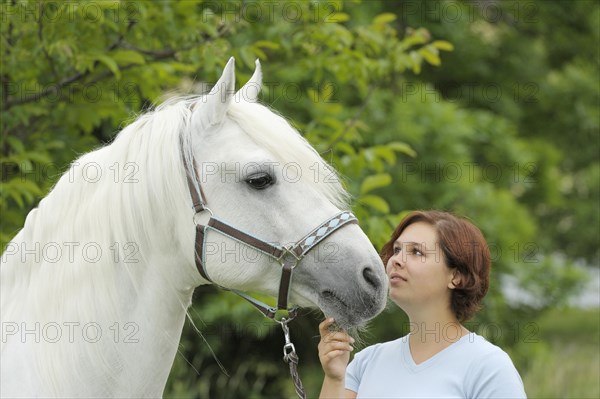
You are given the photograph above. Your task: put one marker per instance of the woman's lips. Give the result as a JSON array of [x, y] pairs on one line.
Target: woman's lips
[[397, 277]]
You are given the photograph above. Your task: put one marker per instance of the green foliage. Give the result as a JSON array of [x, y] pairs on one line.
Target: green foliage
[[563, 371], [535, 65], [562, 356], [492, 115]]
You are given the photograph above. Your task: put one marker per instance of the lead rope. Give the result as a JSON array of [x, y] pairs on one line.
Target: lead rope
[[291, 357]]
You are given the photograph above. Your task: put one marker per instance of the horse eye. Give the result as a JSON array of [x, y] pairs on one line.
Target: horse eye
[[259, 181]]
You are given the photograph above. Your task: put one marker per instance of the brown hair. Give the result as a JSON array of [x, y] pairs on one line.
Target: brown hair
[[464, 248]]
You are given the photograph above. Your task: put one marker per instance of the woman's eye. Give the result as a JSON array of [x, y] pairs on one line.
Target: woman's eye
[[396, 251], [417, 252], [259, 181]]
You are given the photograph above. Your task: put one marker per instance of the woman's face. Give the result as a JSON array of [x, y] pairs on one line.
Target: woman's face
[[417, 271]]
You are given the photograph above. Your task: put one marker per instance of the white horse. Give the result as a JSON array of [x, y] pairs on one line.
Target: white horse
[[95, 287]]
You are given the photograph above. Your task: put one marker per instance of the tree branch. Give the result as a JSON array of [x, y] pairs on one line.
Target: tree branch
[[355, 118], [6, 79], [155, 54], [9, 43], [42, 42]]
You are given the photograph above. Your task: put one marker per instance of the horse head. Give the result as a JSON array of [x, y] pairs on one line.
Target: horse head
[[260, 175]]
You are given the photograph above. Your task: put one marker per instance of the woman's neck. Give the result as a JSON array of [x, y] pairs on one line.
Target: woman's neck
[[432, 333]]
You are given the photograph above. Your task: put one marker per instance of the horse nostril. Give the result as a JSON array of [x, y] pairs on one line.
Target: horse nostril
[[370, 277]]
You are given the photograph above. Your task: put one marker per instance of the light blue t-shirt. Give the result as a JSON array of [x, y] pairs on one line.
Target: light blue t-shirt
[[469, 368]]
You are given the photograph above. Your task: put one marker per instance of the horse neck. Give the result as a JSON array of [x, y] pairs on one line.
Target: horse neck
[[122, 342], [102, 354], [138, 307], [149, 334]]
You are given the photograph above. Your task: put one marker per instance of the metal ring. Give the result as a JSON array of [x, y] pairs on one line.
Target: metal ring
[[291, 315]]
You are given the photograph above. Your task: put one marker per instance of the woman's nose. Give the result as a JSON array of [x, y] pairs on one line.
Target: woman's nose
[[396, 260]]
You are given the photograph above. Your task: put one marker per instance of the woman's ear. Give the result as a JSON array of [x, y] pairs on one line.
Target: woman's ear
[[456, 280]]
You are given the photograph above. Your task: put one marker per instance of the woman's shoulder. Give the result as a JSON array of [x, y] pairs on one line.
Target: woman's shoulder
[[491, 372], [380, 348], [378, 354], [486, 357], [480, 346]]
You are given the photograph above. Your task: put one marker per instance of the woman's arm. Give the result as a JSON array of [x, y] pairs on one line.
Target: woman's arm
[[334, 354], [333, 390]]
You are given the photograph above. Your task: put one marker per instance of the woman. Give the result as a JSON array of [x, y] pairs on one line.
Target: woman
[[438, 267]]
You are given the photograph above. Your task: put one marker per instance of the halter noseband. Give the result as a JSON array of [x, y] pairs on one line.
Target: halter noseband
[[287, 256]]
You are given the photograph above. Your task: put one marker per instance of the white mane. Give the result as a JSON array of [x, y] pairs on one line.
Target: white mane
[[128, 211]]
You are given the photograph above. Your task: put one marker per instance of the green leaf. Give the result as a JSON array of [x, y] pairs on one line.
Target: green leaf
[[28, 187], [267, 44], [39, 157], [430, 54], [247, 56], [345, 148], [443, 45], [337, 17], [259, 53], [412, 40], [375, 202], [333, 123], [208, 28], [84, 62], [375, 181], [17, 197], [125, 57], [402, 148], [383, 19], [416, 59], [110, 64], [385, 153], [16, 144]]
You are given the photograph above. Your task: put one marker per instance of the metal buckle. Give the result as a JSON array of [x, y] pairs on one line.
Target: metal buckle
[[288, 250], [195, 217], [288, 347]]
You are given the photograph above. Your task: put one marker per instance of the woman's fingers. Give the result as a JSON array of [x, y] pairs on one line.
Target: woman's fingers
[[333, 343], [332, 336], [333, 354], [324, 326], [336, 346], [335, 340]]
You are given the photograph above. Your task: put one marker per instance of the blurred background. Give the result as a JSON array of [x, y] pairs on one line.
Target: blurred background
[[487, 108]]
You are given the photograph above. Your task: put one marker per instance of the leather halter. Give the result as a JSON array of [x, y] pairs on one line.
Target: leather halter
[[287, 256]]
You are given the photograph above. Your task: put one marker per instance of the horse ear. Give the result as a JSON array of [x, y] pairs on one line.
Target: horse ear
[[249, 92], [211, 108]]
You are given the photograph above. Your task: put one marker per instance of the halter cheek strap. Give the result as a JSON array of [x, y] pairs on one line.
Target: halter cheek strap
[[287, 256], [197, 194]]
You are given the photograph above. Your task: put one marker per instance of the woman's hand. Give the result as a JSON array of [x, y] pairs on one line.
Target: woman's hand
[[334, 351]]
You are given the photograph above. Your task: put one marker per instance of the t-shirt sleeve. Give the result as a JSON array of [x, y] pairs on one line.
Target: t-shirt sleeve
[[357, 367], [495, 376]]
